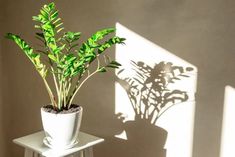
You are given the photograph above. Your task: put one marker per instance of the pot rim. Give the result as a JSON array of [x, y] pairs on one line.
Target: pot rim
[[61, 113]]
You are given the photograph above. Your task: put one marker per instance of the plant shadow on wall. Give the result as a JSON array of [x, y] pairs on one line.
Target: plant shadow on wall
[[151, 94]]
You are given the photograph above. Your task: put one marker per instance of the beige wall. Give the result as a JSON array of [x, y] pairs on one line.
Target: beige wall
[[199, 31], [2, 130]]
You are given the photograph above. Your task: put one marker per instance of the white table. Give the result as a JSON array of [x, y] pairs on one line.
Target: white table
[[34, 146]]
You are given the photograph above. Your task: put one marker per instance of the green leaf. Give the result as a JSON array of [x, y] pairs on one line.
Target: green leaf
[[57, 20], [54, 15], [36, 26], [102, 33], [110, 42], [73, 46], [115, 63], [44, 14], [59, 30], [102, 69], [49, 25], [70, 57], [40, 35], [52, 57], [51, 6], [112, 66], [28, 51], [91, 43], [72, 36], [36, 18], [58, 25]]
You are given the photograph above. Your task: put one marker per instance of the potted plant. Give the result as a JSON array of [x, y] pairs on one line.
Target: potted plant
[[69, 64]]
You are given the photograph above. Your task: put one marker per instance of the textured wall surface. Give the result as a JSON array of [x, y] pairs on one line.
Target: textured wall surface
[[2, 127], [199, 31]]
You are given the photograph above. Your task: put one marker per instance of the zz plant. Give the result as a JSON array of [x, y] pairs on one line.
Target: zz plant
[[67, 61]]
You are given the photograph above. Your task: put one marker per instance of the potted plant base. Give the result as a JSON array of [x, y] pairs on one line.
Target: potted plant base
[[61, 128]]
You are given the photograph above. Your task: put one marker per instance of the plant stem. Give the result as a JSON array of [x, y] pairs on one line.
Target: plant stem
[[77, 88], [55, 81], [64, 93], [60, 95], [50, 93], [69, 86]]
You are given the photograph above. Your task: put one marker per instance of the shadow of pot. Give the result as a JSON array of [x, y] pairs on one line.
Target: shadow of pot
[[145, 139]]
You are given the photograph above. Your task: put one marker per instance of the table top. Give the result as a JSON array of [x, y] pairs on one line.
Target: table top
[[35, 142]]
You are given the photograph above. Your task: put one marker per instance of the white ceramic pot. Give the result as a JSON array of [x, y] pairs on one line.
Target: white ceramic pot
[[61, 129]]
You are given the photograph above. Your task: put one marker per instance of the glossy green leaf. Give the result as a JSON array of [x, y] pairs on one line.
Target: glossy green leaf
[[110, 42], [28, 51], [102, 69], [52, 57], [115, 63]]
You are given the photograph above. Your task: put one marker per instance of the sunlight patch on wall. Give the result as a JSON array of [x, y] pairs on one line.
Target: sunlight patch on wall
[[155, 88], [228, 127]]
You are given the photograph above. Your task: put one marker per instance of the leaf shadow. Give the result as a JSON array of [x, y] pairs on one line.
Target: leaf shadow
[[150, 94]]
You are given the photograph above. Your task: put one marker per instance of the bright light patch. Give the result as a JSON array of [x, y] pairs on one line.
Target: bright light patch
[[137, 92], [178, 121], [228, 127], [122, 135]]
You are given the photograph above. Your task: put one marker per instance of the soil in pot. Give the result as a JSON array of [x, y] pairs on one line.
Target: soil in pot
[[73, 108]]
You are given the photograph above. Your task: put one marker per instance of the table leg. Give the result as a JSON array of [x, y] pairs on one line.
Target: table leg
[[88, 152], [35, 154], [28, 153], [78, 154]]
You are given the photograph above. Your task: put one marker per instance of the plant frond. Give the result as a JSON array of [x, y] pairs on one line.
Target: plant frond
[[34, 57]]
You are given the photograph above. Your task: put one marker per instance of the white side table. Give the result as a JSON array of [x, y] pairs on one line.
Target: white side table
[[34, 146]]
